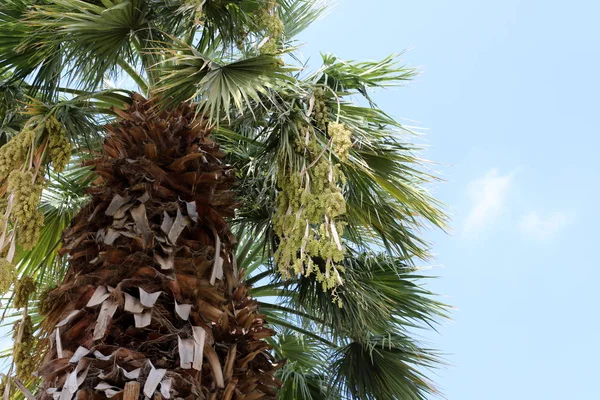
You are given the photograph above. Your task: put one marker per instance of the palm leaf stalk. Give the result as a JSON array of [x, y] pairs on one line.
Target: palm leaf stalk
[[142, 296]]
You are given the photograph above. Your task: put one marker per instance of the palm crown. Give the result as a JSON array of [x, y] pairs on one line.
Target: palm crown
[[331, 194]]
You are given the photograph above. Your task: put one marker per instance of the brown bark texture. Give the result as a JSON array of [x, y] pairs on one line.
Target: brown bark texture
[[152, 293]]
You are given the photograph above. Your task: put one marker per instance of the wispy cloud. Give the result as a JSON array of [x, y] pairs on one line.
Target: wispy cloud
[[542, 227], [487, 194]]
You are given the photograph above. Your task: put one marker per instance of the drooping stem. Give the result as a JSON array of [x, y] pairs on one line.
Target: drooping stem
[[291, 311], [302, 331]]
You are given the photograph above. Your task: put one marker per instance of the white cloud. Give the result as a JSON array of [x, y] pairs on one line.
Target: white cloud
[[488, 195], [543, 227]]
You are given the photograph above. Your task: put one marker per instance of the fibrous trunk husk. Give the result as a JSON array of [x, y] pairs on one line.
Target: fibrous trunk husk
[[152, 294]]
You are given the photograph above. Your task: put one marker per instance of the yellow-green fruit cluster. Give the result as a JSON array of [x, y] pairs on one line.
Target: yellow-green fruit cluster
[[45, 300], [24, 288], [29, 234], [268, 20], [341, 140], [27, 329], [8, 275], [24, 360], [59, 145], [320, 111], [15, 151], [307, 222], [26, 194]]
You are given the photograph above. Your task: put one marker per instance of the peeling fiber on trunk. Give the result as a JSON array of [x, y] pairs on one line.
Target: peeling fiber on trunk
[[151, 295]]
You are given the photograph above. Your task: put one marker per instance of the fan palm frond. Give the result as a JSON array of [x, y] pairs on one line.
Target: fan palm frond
[[219, 87]]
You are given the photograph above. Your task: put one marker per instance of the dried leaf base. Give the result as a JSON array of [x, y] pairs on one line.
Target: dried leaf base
[[152, 305]]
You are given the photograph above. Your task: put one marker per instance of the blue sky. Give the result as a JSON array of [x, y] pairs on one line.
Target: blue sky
[[507, 94]]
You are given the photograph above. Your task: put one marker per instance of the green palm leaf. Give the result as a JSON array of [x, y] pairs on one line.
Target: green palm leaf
[[219, 87]]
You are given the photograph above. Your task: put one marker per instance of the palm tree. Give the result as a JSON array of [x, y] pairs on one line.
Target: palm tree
[[227, 225]]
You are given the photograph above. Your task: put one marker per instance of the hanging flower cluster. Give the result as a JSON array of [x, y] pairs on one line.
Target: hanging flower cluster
[[341, 140], [24, 288], [22, 180], [309, 218], [24, 360], [321, 111], [45, 300], [268, 21], [8, 274], [26, 190], [27, 328], [15, 151], [22, 173], [59, 145]]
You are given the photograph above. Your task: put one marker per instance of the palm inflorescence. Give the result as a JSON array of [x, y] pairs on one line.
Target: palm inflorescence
[[227, 224]]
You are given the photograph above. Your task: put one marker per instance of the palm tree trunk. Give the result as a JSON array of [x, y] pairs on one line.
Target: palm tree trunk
[[153, 294]]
